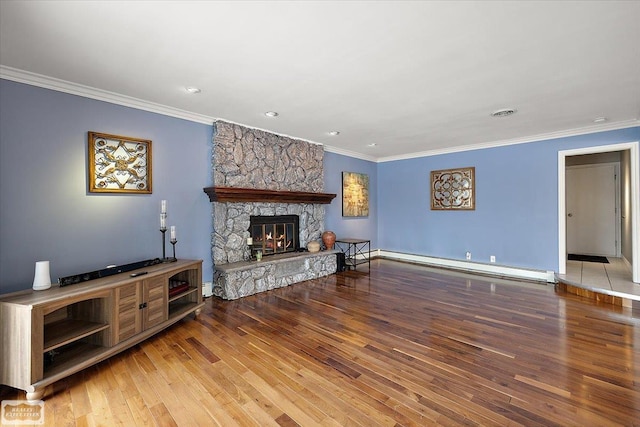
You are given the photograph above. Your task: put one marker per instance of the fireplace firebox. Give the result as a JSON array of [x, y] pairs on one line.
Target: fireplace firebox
[[274, 234]]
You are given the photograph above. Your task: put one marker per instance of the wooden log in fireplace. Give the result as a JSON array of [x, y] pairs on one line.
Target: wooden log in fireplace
[[232, 194]]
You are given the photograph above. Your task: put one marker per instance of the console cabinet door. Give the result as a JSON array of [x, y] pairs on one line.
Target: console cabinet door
[[156, 294], [128, 319]]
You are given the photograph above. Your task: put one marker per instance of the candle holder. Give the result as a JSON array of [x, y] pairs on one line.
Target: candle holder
[[164, 258], [163, 230], [173, 244]]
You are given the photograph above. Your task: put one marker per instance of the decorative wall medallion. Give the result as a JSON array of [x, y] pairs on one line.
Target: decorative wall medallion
[[453, 189], [119, 164], [355, 194]]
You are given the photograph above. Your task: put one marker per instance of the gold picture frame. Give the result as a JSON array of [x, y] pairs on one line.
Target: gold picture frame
[[453, 189], [119, 164], [355, 194]]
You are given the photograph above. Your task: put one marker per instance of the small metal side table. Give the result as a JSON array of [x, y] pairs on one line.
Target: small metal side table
[[356, 252]]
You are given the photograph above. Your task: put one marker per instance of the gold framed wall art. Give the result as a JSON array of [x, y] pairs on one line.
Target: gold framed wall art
[[453, 189], [119, 164], [355, 194]]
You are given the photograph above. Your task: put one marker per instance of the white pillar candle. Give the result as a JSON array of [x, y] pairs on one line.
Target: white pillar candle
[[173, 232], [249, 241], [163, 207], [163, 221]]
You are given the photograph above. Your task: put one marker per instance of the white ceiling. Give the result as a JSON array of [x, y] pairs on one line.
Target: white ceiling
[[412, 77]]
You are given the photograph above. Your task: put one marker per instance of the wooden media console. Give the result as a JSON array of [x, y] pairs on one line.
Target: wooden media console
[[49, 335]]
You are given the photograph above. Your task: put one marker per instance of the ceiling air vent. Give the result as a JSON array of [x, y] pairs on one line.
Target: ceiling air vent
[[504, 112]]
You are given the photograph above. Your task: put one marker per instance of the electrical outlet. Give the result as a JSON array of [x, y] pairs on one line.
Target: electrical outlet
[[468, 255], [493, 258]]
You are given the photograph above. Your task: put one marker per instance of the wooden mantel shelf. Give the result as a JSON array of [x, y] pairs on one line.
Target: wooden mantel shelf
[[231, 194]]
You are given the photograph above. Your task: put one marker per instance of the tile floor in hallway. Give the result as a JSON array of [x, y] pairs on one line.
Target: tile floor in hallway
[[612, 279]]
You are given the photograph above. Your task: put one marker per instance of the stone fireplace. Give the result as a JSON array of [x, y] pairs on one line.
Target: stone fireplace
[[260, 174]]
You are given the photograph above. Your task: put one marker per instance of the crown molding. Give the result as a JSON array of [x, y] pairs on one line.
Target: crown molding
[[348, 153], [59, 85], [52, 83], [21, 76], [532, 138]]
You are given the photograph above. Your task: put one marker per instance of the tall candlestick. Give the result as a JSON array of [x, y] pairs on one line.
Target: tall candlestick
[[163, 207], [173, 232]]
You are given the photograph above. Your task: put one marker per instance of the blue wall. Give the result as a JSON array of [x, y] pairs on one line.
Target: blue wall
[[46, 212], [361, 228], [516, 215]]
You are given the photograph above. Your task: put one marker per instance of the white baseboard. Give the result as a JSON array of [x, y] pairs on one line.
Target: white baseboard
[[468, 266]]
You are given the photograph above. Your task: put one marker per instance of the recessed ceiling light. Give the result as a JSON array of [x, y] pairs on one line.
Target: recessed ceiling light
[[373, 144], [599, 120], [334, 133], [192, 89], [271, 114], [504, 112]]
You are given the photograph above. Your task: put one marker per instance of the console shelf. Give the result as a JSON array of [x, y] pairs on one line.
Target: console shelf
[[177, 308], [49, 335], [65, 331], [69, 358], [184, 294]]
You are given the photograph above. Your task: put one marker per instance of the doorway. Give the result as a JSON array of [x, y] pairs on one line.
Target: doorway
[[634, 202], [593, 222]]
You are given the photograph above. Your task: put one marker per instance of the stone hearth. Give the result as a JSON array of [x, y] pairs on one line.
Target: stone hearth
[[241, 279]]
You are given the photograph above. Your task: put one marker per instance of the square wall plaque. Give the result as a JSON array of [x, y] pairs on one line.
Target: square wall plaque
[[119, 164], [453, 189]]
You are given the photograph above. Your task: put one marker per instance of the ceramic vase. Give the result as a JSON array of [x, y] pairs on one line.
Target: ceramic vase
[[329, 239], [42, 278]]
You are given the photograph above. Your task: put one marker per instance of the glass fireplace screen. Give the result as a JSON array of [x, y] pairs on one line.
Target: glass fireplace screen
[[274, 234]]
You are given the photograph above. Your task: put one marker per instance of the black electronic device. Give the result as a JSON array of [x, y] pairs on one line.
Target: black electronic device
[[142, 273], [105, 272], [341, 261]]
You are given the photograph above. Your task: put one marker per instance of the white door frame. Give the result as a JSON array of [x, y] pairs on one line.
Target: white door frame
[[635, 202]]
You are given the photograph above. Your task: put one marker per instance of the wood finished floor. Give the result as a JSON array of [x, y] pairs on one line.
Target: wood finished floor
[[403, 346]]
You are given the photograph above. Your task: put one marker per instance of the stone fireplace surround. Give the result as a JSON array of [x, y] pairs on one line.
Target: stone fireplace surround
[[274, 168]]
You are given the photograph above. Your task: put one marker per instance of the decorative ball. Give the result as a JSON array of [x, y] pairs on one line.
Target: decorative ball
[[313, 246]]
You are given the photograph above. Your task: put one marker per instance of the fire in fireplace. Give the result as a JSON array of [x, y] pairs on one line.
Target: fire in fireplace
[[274, 234]]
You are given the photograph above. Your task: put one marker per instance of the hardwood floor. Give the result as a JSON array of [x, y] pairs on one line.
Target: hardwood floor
[[402, 346]]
